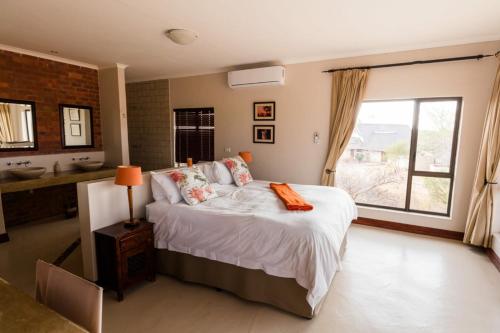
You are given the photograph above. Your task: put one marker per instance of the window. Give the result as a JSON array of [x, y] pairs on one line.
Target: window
[[194, 134], [401, 155]]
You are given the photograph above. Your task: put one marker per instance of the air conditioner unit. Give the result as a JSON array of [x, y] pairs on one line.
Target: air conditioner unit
[[266, 76]]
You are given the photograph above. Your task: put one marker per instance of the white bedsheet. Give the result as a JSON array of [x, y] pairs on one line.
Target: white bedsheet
[[250, 227]]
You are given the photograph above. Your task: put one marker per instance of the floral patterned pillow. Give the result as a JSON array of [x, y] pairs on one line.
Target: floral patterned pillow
[[239, 170], [193, 185]]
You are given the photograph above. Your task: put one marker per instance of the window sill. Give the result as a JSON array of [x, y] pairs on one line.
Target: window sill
[[396, 213]]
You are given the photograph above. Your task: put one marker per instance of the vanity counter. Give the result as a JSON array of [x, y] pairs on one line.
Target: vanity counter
[[9, 185]]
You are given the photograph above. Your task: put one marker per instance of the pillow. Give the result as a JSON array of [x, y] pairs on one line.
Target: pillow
[[221, 173], [158, 192], [193, 185], [206, 168], [239, 170], [163, 187]]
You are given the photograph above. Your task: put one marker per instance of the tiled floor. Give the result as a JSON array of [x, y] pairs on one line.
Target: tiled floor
[[390, 282], [30, 242]]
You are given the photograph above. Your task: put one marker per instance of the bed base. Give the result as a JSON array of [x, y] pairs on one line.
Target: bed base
[[249, 284]]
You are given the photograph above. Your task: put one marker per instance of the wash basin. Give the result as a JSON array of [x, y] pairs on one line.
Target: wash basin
[[28, 173], [89, 165]]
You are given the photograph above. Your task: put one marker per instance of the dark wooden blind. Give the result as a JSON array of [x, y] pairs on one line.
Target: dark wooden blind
[[194, 134]]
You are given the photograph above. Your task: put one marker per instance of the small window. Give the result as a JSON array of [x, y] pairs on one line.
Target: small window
[[194, 134], [402, 155]]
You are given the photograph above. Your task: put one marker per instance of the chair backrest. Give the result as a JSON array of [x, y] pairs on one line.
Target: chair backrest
[[71, 296], [42, 274]]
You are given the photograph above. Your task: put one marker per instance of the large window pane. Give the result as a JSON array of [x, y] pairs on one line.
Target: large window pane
[[436, 124], [377, 164], [430, 194], [374, 167]]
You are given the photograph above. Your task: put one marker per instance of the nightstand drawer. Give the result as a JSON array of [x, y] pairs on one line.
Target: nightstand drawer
[[134, 241]]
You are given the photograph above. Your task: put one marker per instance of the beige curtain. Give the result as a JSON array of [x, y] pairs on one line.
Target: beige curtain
[[348, 88], [6, 132], [479, 218]]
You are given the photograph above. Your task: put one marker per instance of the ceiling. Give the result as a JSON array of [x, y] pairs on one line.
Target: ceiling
[[238, 32]]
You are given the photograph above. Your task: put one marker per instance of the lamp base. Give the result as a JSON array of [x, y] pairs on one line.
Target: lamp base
[[132, 223]]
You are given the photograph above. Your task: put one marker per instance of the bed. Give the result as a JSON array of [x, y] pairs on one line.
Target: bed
[[246, 242]]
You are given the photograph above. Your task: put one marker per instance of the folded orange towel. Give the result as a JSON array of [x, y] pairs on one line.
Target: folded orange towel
[[291, 199]]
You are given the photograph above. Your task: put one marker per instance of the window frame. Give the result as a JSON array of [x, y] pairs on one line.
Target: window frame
[[413, 152], [197, 127]]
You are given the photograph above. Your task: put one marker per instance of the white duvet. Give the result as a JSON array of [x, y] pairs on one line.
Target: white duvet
[[249, 227]]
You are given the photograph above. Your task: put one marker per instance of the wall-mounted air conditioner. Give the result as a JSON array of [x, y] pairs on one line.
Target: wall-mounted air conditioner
[[266, 76]]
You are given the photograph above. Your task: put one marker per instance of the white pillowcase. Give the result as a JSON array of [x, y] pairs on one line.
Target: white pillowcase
[[163, 187], [207, 169], [221, 173]]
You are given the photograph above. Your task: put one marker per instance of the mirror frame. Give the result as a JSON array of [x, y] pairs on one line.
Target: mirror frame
[[61, 125], [33, 114]]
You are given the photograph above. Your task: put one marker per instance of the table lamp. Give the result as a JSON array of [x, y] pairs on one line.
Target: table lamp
[[246, 156], [129, 175]]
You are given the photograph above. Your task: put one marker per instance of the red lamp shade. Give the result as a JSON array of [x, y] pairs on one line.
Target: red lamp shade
[[246, 156], [128, 175]]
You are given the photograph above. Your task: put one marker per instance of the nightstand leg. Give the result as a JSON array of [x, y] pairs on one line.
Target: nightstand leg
[[119, 296]]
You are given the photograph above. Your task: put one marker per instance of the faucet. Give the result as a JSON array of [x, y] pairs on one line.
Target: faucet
[[86, 158], [25, 163]]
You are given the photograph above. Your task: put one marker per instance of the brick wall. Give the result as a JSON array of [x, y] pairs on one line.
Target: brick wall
[[49, 83], [149, 124], [38, 204]]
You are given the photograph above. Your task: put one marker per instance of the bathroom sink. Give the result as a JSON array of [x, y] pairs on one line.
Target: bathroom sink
[[89, 165], [28, 173]]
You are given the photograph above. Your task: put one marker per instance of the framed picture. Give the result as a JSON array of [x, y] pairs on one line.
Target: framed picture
[[264, 111], [263, 133], [76, 130], [74, 114]]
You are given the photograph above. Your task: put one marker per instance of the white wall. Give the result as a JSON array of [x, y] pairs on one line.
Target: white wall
[[102, 203], [2, 219], [495, 228], [303, 107], [496, 215], [495, 244], [66, 161]]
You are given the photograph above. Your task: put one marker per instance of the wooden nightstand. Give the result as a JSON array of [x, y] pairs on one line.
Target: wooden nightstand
[[125, 256]]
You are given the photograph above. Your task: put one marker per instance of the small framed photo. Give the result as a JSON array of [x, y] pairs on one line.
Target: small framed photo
[[263, 133], [74, 114], [76, 130], [264, 111]]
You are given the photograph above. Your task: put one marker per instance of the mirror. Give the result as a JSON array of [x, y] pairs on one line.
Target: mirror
[[17, 125], [76, 126]]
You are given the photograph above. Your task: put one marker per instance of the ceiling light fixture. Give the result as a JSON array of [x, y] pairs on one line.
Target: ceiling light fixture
[[182, 36]]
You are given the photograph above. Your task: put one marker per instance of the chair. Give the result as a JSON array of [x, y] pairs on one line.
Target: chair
[[71, 296], [42, 274]]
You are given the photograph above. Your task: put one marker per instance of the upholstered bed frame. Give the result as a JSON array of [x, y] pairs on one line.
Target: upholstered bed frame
[[250, 284]]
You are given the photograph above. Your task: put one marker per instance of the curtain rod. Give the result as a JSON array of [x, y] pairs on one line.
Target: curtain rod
[[417, 62]]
